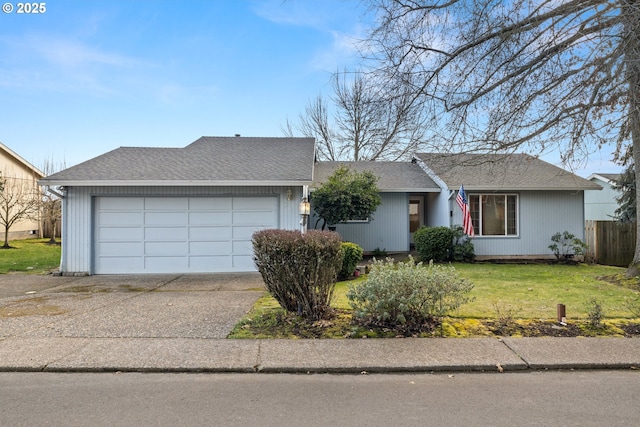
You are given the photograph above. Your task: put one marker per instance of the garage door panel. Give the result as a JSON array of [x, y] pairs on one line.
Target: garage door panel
[[210, 218], [242, 248], [121, 203], [121, 264], [210, 233], [168, 264], [245, 233], [165, 233], [219, 263], [243, 263], [165, 218], [121, 249], [179, 234], [120, 218], [211, 203], [117, 234], [166, 203], [252, 217], [165, 248], [210, 248]]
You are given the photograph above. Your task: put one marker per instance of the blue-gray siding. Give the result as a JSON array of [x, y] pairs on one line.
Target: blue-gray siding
[[78, 218], [389, 229], [540, 215]]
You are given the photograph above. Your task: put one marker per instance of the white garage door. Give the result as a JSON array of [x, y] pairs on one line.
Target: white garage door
[[179, 234]]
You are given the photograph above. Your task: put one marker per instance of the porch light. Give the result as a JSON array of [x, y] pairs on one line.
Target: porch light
[[305, 210], [305, 207]]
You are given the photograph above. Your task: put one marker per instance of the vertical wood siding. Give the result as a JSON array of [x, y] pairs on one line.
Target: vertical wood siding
[[78, 220], [540, 215], [389, 229]]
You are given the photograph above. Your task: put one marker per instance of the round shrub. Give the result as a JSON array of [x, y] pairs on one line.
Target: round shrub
[[351, 256], [433, 243], [462, 249], [299, 270], [407, 295]]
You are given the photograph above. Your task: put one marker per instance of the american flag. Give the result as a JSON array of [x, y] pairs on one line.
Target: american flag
[[461, 200]]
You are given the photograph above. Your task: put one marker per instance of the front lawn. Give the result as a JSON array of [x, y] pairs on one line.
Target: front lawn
[[521, 298], [34, 256], [536, 289]]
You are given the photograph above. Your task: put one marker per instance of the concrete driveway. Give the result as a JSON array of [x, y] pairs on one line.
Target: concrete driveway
[[127, 306]]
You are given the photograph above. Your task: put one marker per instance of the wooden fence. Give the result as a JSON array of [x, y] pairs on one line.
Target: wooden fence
[[46, 229], [610, 242]]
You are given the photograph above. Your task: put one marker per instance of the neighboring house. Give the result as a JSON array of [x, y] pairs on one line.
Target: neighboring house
[[517, 201], [602, 205], [20, 176], [194, 209]]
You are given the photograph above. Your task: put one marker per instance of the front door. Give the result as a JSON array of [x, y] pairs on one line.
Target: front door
[[416, 214]]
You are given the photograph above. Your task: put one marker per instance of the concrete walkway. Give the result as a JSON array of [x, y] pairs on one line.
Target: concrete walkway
[[174, 323]]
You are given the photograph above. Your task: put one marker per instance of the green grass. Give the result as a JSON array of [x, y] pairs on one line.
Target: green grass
[[520, 292], [33, 256], [534, 290]]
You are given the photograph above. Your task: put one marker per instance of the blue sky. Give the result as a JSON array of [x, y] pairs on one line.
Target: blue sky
[[86, 77]]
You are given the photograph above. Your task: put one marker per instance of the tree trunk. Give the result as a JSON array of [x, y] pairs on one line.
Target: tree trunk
[[634, 267], [52, 239], [632, 58], [6, 238]]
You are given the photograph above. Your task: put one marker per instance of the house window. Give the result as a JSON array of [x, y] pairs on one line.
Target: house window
[[494, 214]]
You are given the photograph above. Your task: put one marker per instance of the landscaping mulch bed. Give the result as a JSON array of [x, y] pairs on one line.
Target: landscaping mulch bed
[[535, 329], [281, 325]]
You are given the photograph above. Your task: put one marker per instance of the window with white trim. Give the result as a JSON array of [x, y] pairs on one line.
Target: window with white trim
[[494, 214]]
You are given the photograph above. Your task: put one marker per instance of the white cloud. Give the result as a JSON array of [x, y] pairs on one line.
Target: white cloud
[[340, 53], [71, 54], [46, 62], [339, 21]]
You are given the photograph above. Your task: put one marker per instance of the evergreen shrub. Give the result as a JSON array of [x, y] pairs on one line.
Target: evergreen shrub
[[433, 243], [462, 249], [351, 255], [299, 270]]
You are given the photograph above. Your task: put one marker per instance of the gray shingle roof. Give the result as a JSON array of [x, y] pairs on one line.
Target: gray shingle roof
[[209, 160], [393, 176], [501, 172]]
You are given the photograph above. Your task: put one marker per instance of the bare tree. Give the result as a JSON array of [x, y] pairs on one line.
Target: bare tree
[[19, 200], [370, 120], [526, 75], [51, 206]]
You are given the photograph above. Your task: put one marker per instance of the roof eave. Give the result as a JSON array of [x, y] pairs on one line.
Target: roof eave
[[174, 183], [410, 190], [20, 159], [469, 188]]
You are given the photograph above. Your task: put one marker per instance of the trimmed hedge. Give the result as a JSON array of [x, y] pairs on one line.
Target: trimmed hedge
[[433, 243], [440, 244], [299, 270]]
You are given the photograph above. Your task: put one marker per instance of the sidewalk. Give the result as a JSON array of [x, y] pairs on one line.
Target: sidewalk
[[59, 354], [178, 323]]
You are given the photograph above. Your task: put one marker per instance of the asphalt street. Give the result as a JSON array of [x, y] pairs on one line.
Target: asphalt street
[[571, 398]]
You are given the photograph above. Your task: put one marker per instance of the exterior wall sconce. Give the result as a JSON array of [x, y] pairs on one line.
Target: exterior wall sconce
[[289, 194], [305, 207]]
